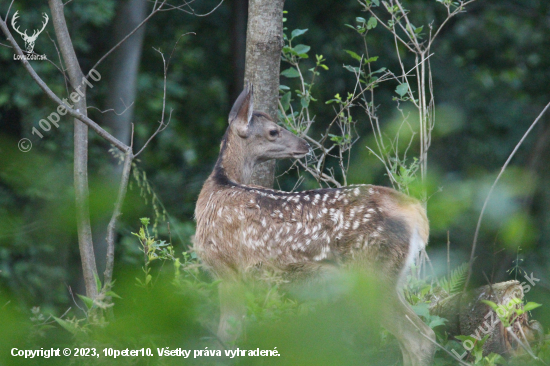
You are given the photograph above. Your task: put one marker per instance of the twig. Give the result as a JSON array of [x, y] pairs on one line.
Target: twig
[[210, 12], [74, 300], [9, 8], [162, 126], [74, 113], [448, 255], [511, 332], [474, 244], [112, 109], [108, 274], [155, 10], [437, 344]]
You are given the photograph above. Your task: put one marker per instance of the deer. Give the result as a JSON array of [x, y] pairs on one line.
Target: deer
[[29, 40], [240, 225]]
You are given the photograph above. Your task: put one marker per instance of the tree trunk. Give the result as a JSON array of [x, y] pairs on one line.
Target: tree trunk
[[76, 77], [264, 41], [122, 92], [468, 315]]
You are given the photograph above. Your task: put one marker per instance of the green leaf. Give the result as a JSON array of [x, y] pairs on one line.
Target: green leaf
[[422, 309], [360, 20], [67, 325], [285, 101], [283, 87], [378, 71], [454, 283], [97, 282], [298, 32], [372, 59], [287, 49], [493, 305], [437, 321], [89, 302], [301, 49], [353, 69], [304, 102], [372, 23], [402, 89], [112, 294], [290, 73], [354, 55], [530, 306], [376, 2]]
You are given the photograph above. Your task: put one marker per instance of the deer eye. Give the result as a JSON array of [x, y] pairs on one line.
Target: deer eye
[[274, 133]]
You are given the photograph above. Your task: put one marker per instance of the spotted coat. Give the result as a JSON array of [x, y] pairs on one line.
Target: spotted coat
[[240, 226]]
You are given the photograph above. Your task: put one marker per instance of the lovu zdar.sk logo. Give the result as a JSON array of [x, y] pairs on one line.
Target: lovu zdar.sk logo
[[29, 40]]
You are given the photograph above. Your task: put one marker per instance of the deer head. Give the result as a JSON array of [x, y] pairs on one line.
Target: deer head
[[29, 40], [253, 137]]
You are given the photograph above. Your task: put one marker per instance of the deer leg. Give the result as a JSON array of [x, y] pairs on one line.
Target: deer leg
[[232, 311], [405, 325]]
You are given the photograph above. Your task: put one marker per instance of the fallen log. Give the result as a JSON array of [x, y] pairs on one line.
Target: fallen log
[[467, 314]]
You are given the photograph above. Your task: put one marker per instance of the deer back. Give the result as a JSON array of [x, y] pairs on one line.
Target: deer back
[[241, 226]]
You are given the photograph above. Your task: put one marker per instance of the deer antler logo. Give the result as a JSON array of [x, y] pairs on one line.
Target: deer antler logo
[[29, 40]]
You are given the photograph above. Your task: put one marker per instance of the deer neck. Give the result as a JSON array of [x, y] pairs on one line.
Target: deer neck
[[234, 163]]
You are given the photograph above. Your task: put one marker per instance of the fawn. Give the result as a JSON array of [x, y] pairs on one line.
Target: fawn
[[240, 226]]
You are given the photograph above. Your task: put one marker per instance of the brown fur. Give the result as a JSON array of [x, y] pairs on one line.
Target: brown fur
[[240, 226]]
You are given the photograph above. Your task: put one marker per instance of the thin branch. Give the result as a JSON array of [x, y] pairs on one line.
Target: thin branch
[[207, 14], [9, 8], [61, 69], [112, 109], [74, 113], [450, 15], [155, 10], [109, 265], [474, 244], [162, 126], [437, 344]]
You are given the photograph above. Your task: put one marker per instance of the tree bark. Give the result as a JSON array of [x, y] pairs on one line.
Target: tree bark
[[76, 77], [122, 92], [468, 315], [264, 41], [124, 69]]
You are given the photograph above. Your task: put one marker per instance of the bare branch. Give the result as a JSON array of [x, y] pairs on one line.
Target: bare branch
[[109, 266], [474, 244], [112, 109], [9, 8], [155, 10], [437, 344], [74, 113]]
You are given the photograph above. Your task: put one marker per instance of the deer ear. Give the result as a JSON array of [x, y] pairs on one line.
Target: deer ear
[[241, 113]]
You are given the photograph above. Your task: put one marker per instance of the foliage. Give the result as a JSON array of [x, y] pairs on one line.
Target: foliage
[[454, 283]]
